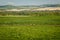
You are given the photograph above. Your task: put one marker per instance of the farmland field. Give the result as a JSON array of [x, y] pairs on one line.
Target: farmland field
[[30, 27]]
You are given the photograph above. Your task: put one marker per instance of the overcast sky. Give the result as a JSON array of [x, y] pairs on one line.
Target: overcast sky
[[28, 2]]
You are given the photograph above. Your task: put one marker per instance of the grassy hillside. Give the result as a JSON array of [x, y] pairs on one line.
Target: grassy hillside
[[32, 27]]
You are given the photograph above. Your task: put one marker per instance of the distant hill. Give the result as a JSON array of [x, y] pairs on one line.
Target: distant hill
[[7, 7], [28, 6], [50, 5], [17, 7]]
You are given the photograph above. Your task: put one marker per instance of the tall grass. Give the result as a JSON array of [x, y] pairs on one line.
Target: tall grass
[[35, 27], [37, 32]]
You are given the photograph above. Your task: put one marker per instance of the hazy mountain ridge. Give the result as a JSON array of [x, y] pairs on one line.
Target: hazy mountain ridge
[[28, 6], [50, 5]]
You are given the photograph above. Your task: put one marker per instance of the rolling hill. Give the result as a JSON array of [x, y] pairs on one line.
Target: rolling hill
[[28, 6]]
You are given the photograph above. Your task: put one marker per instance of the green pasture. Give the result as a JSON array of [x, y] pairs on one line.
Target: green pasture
[[37, 20], [30, 27], [28, 32]]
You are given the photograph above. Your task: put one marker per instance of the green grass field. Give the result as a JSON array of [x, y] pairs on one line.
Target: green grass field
[[37, 32], [30, 28]]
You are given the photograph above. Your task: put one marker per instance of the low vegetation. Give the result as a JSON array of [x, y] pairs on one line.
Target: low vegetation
[[38, 25]]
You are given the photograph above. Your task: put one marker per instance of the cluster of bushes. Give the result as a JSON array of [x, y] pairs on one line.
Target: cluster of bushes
[[31, 13]]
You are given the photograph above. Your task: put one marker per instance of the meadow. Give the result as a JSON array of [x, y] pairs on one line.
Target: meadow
[[26, 26]]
